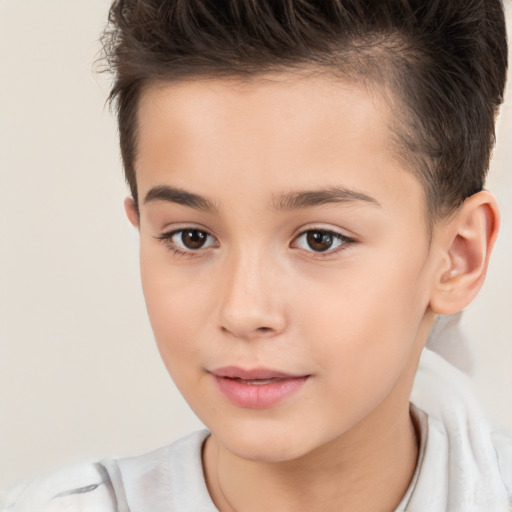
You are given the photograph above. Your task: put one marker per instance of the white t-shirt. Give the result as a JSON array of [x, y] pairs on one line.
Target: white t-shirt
[[464, 465]]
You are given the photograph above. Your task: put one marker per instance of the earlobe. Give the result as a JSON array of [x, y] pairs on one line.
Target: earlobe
[[467, 242], [132, 212]]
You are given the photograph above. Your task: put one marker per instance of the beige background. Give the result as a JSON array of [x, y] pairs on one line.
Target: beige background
[[80, 377]]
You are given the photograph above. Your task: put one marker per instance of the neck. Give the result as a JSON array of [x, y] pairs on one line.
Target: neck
[[359, 471]]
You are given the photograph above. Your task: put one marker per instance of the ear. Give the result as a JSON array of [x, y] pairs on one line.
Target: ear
[[132, 211], [466, 241]]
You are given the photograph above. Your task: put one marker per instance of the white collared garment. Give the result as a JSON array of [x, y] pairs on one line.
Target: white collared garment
[[464, 465]]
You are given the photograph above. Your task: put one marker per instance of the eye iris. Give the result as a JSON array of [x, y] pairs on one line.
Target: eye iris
[[319, 240], [193, 238]]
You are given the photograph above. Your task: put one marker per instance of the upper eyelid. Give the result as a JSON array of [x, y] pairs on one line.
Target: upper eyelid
[[169, 232], [166, 233], [325, 229], [337, 232], [172, 232]]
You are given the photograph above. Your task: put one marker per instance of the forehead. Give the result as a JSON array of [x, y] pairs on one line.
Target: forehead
[[305, 103], [269, 134]]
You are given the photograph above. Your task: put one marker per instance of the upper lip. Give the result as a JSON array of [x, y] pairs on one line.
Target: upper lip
[[235, 372]]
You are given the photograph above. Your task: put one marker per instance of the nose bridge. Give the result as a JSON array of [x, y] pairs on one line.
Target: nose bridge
[[251, 304]]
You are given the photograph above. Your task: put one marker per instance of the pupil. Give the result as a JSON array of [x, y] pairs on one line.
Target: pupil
[[319, 240], [193, 238]]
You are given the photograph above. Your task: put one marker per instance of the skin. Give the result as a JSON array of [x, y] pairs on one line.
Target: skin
[[353, 318]]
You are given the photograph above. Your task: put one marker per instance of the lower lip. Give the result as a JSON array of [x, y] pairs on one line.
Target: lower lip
[[258, 396]]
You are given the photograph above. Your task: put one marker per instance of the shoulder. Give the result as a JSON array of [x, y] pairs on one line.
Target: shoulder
[[169, 478], [82, 487], [502, 442], [466, 460]]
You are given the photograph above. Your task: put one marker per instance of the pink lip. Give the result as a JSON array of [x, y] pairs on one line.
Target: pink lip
[[241, 386]]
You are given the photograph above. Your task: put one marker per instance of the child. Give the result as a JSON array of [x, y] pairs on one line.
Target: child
[[307, 180]]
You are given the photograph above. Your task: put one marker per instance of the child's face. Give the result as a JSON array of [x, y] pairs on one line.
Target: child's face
[[305, 257]]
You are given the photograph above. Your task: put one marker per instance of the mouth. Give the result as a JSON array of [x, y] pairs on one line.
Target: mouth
[[256, 382], [259, 388]]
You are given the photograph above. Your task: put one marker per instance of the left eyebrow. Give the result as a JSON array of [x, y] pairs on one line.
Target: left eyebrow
[[330, 195]]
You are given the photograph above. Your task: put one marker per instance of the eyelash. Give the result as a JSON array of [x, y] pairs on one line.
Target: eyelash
[[345, 241], [166, 239]]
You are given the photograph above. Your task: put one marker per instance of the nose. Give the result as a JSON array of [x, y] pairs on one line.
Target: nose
[[252, 299]]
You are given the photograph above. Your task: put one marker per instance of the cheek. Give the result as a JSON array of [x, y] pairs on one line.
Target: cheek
[[363, 323], [177, 307]]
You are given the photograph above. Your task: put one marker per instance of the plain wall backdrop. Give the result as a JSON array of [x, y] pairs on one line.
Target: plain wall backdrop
[[80, 377]]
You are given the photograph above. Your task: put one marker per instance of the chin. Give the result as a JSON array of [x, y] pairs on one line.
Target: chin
[[266, 451], [270, 443]]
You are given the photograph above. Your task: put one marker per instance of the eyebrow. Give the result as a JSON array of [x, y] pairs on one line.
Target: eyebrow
[[289, 201], [330, 195], [179, 196]]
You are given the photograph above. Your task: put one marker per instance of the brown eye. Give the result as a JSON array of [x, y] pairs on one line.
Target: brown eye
[[319, 241], [188, 241], [193, 238]]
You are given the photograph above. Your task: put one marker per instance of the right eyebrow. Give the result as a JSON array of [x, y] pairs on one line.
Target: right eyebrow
[[179, 196]]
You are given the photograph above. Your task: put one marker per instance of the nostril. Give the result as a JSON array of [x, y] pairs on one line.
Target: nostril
[[249, 334]]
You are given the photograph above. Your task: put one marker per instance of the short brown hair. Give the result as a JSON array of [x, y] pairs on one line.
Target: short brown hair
[[445, 61]]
